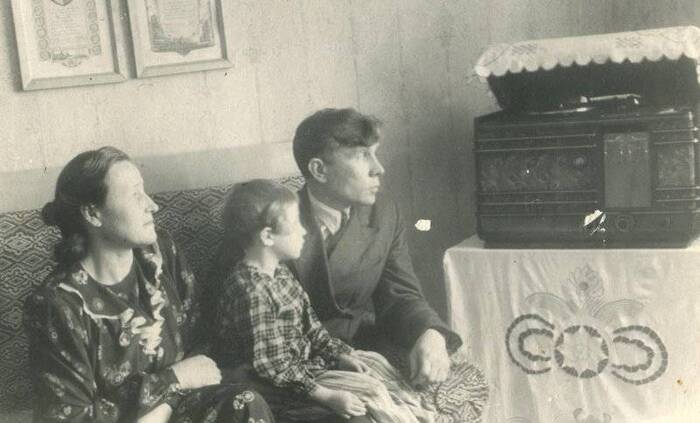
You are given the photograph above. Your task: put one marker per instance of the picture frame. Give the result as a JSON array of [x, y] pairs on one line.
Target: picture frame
[[178, 36], [66, 43]]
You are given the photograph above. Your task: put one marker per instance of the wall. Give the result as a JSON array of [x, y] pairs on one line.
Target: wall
[[630, 15], [407, 61]]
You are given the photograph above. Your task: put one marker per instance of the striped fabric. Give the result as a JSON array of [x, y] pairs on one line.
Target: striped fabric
[[388, 398]]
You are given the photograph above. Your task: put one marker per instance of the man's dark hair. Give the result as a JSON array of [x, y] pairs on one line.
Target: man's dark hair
[[320, 134]]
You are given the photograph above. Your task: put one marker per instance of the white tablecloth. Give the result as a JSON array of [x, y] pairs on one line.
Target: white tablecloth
[[580, 335]]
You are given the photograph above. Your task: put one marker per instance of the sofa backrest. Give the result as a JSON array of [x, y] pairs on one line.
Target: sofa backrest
[[192, 217]]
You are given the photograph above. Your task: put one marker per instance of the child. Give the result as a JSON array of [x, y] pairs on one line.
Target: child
[[266, 319]]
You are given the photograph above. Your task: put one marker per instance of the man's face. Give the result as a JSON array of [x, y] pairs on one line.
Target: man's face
[[353, 175]]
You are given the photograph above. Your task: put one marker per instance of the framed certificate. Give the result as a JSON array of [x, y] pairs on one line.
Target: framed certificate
[[176, 36], [64, 43]]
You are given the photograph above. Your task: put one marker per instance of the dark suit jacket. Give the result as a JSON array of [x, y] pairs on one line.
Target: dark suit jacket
[[367, 284]]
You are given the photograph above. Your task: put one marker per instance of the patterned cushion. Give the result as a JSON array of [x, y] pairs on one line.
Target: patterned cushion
[[26, 249], [461, 398]]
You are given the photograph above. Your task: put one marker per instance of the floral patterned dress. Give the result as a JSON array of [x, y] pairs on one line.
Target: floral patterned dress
[[104, 353]]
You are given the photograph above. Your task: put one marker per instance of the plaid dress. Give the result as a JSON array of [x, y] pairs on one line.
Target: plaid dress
[[269, 323]]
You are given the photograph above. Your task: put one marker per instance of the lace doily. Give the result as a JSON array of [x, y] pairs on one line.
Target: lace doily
[[635, 46]]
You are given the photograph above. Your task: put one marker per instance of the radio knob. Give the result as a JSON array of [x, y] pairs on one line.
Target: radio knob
[[624, 223]]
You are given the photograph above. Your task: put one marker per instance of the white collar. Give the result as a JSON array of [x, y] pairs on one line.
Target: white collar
[[328, 218]]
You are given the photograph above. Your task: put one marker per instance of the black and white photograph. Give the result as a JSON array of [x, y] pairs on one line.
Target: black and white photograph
[[362, 211], [61, 43], [176, 36]]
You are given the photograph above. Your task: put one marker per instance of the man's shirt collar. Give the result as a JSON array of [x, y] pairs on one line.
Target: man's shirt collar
[[328, 219]]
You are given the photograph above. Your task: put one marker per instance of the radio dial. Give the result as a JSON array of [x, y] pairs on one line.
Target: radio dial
[[624, 223]]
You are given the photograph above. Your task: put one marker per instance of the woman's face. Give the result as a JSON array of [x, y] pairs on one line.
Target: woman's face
[[127, 214], [289, 239]]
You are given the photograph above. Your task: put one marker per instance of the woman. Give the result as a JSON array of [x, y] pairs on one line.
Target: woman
[[112, 328]]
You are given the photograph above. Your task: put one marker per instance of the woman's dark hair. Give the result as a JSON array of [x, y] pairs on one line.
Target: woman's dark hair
[[323, 132], [80, 183]]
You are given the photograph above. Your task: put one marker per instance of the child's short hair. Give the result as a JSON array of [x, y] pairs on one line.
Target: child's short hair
[[252, 206]]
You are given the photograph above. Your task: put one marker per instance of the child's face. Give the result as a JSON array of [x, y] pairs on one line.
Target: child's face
[[290, 238]]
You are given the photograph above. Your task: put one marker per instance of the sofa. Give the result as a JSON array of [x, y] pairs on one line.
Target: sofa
[[26, 248]]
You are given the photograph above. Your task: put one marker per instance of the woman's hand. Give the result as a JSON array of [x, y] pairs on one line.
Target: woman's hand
[[196, 372], [160, 414], [342, 403], [351, 364]]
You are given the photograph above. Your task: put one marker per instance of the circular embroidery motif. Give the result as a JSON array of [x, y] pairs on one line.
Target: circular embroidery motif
[[581, 352]]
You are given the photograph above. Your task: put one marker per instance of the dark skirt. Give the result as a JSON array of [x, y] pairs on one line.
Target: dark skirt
[[225, 403]]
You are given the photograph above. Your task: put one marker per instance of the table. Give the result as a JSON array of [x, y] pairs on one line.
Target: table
[[580, 335]]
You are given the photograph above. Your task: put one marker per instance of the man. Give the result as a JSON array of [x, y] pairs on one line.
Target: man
[[356, 268], [355, 264]]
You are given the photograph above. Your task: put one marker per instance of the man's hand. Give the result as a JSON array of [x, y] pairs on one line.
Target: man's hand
[[351, 364], [428, 359]]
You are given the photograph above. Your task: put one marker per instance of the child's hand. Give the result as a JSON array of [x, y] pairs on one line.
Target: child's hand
[[342, 403], [351, 364], [345, 404]]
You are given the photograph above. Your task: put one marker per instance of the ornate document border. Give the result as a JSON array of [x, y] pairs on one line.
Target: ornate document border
[[176, 36], [65, 43]]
